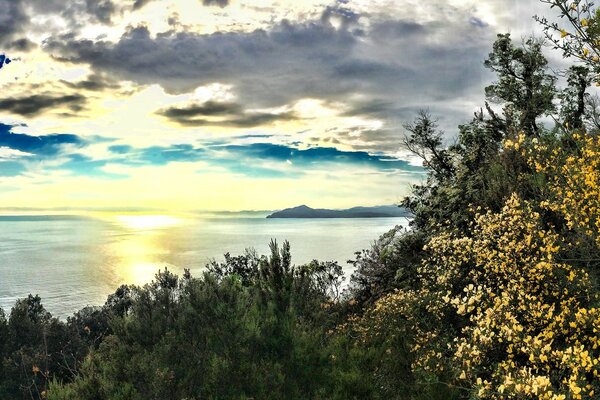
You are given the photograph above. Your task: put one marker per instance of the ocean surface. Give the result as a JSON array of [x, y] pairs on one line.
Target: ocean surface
[[72, 262]]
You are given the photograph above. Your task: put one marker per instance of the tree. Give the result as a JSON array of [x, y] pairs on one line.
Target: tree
[[578, 36], [574, 98], [426, 142], [523, 85]]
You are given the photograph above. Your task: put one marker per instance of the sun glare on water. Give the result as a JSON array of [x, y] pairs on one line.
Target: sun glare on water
[[141, 249]]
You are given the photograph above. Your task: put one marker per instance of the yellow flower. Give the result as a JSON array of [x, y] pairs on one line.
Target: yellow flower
[[563, 33], [584, 22]]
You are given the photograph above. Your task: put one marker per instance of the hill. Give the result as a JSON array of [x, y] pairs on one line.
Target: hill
[[304, 211]]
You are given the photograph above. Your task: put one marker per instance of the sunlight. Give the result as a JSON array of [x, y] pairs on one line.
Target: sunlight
[[143, 222], [140, 254], [140, 272]]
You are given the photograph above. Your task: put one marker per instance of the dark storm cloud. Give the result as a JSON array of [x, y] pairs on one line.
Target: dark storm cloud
[[140, 3], [94, 82], [15, 16], [208, 108], [275, 65], [78, 12], [357, 69], [388, 68], [398, 29], [22, 44], [270, 68], [103, 10], [374, 107], [232, 114], [249, 120], [220, 3], [33, 105], [13, 20]]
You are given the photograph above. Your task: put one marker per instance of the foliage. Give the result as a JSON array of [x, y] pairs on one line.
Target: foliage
[[260, 334], [496, 313], [492, 293], [523, 85], [578, 34]]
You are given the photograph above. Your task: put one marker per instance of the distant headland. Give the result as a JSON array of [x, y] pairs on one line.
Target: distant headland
[[304, 211]]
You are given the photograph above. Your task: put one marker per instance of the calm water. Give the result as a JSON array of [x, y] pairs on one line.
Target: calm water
[[72, 262]]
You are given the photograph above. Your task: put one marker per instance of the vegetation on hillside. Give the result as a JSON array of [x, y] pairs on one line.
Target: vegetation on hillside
[[492, 293]]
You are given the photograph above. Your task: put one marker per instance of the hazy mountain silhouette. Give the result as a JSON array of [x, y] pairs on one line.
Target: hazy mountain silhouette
[[304, 211]]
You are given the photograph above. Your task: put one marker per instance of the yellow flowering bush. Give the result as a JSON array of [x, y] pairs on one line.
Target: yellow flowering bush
[[497, 313], [573, 179]]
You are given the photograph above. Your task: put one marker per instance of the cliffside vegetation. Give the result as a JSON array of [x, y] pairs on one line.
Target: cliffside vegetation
[[492, 293]]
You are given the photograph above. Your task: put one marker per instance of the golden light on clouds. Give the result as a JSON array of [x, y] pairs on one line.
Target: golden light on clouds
[[184, 105]]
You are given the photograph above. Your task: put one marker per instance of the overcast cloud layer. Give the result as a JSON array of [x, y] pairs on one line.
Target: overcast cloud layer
[[251, 94]]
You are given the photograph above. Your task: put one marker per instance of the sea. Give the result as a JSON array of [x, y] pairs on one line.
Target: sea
[[77, 261]]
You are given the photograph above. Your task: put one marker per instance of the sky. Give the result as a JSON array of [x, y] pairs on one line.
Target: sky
[[187, 105]]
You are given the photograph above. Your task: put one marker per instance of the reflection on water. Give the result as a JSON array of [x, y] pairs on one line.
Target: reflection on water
[[73, 262], [141, 249]]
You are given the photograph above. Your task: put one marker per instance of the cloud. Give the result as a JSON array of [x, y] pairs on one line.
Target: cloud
[[36, 104], [478, 22], [13, 20], [393, 29], [78, 12], [7, 153], [140, 3], [94, 82], [361, 62], [16, 17], [220, 3], [102, 10], [279, 62], [23, 45], [232, 114], [209, 108]]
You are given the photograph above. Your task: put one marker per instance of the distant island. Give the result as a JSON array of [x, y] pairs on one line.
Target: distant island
[[304, 211]]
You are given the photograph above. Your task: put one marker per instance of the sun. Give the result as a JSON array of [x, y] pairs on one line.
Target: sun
[[145, 222]]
